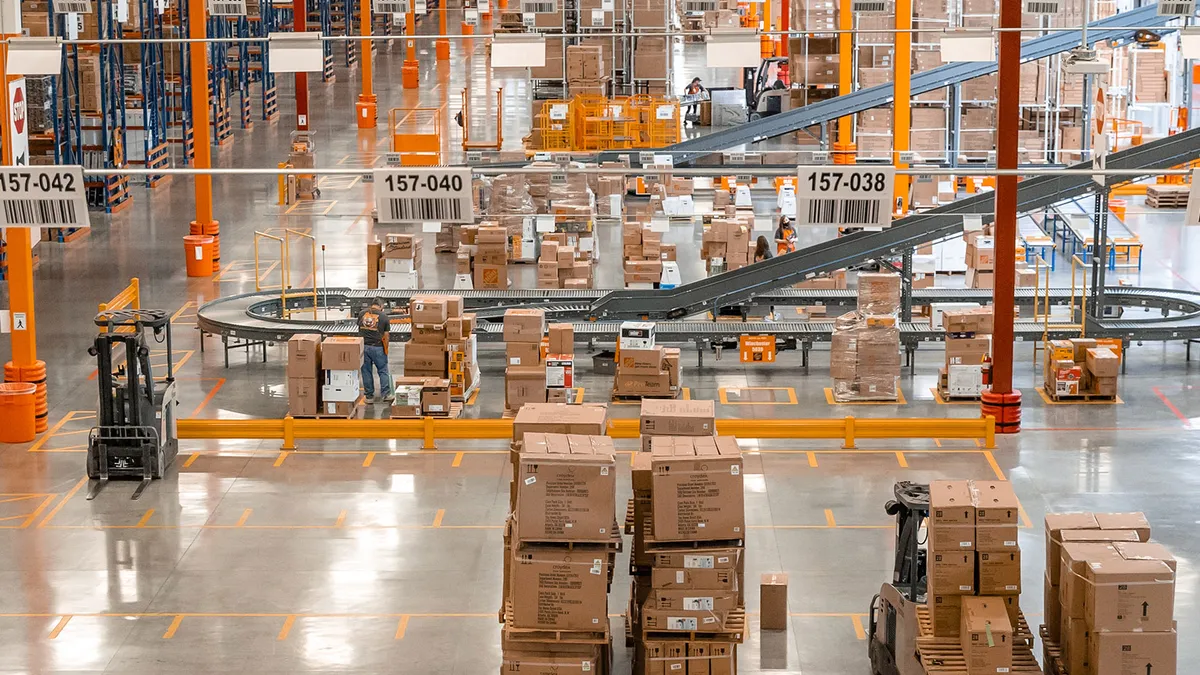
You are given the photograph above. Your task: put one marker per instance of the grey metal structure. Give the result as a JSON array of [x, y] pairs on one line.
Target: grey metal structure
[[1108, 29]]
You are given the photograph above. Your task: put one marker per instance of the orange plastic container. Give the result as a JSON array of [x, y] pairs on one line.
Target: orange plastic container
[[18, 413], [198, 251]]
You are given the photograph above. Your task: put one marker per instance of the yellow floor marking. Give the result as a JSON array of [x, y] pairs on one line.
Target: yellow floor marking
[[829, 521], [1025, 521], [991, 460], [287, 627], [34, 516], [73, 432], [191, 459], [282, 456], [437, 519], [21, 498], [56, 509], [341, 519], [146, 517], [475, 395], [723, 395], [632, 456], [458, 458], [58, 628], [51, 432], [687, 393], [370, 458], [901, 460], [173, 627], [977, 443], [812, 459], [402, 627], [245, 516], [859, 631], [937, 442], [578, 395], [179, 313]]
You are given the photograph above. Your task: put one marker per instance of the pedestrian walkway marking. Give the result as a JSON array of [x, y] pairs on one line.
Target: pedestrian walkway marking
[[757, 395], [58, 628], [173, 627]]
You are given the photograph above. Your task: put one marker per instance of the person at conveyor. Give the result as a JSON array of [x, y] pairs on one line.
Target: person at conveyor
[[785, 236], [374, 329]]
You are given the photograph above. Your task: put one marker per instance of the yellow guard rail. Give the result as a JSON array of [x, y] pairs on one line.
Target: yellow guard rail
[[431, 429]]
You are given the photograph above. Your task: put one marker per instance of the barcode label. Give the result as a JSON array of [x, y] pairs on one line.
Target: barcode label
[[698, 6], [1176, 8], [401, 210], [861, 212], [227, 8], [73, 6], [539, 7], [868, 6], [42, 197], [38, 212], [419, 194], [390, 6], [1041, 6]]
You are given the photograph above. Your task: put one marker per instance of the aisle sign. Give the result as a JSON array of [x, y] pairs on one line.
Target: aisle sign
[[389, 6], [42, 196], [227, 7], [418, 194], [72, 6], [756, 348], [845, 196]]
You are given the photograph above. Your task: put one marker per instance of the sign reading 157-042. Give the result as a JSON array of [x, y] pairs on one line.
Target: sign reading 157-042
[[845, 196], [420, 194], [50, 196]]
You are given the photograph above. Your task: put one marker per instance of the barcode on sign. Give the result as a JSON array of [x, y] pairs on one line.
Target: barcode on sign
[[868, 6], [700, 6], [76, 6], [539, 7], [842, 211], [425, 209], [39, 212], [1041, 7], [227, 9], [391, 7], [1176, 8]]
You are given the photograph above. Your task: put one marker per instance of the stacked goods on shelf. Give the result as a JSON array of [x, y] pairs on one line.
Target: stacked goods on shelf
[[1149, 75], [727, 244], [1167, 196], [395, 264], [563, 266], [610, 193], [651, 53], [421, 396], [442, 344], [585, 71], [1109, 596], [981, 260], [865, 352], [813, 68], [511, 202], [489, 263], [303, 371], [341, 379], [968, 352], [1081, 367], [644, 368], [642, 250], [560, 545], [525, 368]]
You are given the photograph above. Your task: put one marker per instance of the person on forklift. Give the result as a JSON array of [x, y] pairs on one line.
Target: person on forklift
[[374, 328], [692, 114], [785, 236]]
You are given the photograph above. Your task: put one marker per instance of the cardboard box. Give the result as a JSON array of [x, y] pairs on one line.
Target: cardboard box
[[641, 361], [945, 611], [1127, 595], [986, 636], [524, 325], [566, 489], [996, 514], [343, 408], [435, 396], [564, 589], [1147, 550], [1136, 653], [428, 309], [978, 279], [1135, 521], [491, 276], [523, 353], [1080, 347], [342, 353], [1075, 639], [999, 572], [1052, 609], [303, 396], [562, 338], [693, 578], [637, 384], [968, 351], [951, 522], [1103, 362], [773, 601], [407, 397], [424, 359], [979, 321], [1054, 525], [555, 418], [304, 356], [550, 659], [429, 333], [1075, 557], [952, 572], [669, 417], [697, 486], [524, 384]]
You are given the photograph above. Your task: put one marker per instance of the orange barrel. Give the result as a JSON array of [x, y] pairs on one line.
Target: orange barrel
[[198, 251], [17, 412]]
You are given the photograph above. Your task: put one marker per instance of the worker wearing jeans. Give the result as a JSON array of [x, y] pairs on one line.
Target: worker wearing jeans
[[373, 327]]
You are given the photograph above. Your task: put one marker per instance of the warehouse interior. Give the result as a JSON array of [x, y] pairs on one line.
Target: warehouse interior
[[875, 345]]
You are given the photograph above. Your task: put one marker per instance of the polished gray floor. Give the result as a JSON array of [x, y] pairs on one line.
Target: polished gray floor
[[378, 557]]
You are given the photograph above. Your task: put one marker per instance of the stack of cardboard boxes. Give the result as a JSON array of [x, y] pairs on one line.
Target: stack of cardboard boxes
[[585, 71], [421, 397], [483, 256], [395, 264], [974, 578], [1109, 596], [968, 352], [560, 544], [727, 244], [303, 375], [563, 266], [981, 260], [651, 54], [644, 368], [643, 253], [341, 378], [865, 349], [442, 344], [1081, 367], [525, 369], [1149, 75]]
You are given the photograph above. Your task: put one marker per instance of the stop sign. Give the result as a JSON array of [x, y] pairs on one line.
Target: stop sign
[[18, 107]]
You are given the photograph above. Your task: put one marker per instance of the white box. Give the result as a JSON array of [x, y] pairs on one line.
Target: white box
[[339, 394], [637, 335], [964, 380], [398, 281], [408, 395], [560, 372], [404, 265], [343, 378]]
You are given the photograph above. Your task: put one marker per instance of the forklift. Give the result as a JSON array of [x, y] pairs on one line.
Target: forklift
[[763, 97], [135, 438], [893, 630]]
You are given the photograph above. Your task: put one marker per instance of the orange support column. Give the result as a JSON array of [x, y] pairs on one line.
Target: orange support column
[[198, 56], [843, 147], [410, 72], [365, 110], [785, 23], [901, 103], [1002, 402], [443, 43], [300, 25], [25, 366]]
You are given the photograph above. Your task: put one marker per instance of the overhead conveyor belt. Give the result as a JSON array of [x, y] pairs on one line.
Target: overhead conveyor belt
[[930, 80]]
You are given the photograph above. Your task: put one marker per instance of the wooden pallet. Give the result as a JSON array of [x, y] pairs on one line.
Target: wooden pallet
[[1167, 196], [734, 631], [629, 518], [455, 412], [944, 656], [1079, 398], [947, 396], [615, 542], [653, 545], [579, 637], [1023, 635], [1052, 654]]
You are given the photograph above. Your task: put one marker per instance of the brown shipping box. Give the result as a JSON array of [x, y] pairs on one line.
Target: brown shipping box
[[999, 572], [1054, 525], [951, 516], [642, 361], [996, 514], [669, 417], [633, 384], [952, 572], [1135, 521], [1052, 605], [304, 355], [773, 601], [945, 610], [304, 395], [986, 636], [550, 659], [428, 309], [567, 488], [979, 321], [698, 492], [429, 333], [1146, 551], [1103, 363], [1124, 595], [523, 353], [688, 578], [562, 338], [524, 384], [342, 353], [524, 325], [1136, 653], [698, 559], [1073, 586], [424, 359], [590, 419], [565, 589]]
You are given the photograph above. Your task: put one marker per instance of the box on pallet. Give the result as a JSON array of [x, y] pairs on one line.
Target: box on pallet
[[697, 486], [567, 488]]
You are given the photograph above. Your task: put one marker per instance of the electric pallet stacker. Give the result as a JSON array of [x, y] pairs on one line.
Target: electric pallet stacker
[[135, 436], [894, 628]]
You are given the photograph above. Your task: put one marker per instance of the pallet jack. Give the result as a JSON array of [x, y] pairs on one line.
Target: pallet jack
[[891, 644], [135, 437]]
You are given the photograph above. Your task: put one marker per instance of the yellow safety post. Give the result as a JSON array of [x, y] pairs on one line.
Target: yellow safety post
[[849, 436], [365, 110], [289, 433], [901, 103]]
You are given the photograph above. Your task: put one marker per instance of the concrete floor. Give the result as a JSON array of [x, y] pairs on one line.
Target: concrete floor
[[360, 557]]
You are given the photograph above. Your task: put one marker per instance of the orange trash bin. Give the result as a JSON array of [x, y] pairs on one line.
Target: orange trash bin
[[18, 415], [198, 251]]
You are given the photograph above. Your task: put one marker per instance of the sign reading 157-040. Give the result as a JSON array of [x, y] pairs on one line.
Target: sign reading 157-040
[[419, 194], [49, 196], [845, 196]]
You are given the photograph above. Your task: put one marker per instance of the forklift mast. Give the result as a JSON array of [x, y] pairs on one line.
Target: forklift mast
[[911, 509]]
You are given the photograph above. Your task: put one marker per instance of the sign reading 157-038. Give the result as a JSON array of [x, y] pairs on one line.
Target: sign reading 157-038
[[37, 196], [845, 196], [420, 194]]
